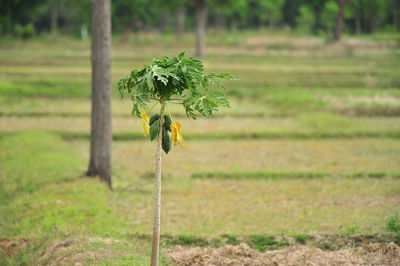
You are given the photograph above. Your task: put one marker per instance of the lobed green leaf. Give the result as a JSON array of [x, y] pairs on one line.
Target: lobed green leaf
[[179, 76]]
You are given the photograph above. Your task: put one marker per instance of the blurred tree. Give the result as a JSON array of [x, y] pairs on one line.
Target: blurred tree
[[175, 9], [22, 18], [290, 11], [373, 14], [317, 6], [17, 13], [201, 21], [329, 15], [306, 18], [238, 13], [270, 11], [180, 19], [354, 11], [54, 16], [100, 137], [73, 14], [394, 10], [129, 15], [339, 19]]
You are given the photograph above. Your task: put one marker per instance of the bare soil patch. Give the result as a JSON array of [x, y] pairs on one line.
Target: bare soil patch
[[77, 251], [373, 253], [11, 246]]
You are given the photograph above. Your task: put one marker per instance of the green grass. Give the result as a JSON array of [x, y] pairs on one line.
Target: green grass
[[283, 79], [54, 199], [308, 153], [41, 177], [272, 242], [248, 135], [42, 190], [296, 174], [44, 87], [393, 223]]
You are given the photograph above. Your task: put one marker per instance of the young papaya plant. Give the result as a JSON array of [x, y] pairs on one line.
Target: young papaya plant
[[170, 80]]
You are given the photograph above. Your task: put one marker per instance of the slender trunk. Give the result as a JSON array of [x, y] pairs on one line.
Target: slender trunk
[[201, 21], [157, 200], [54, 16], [358, 18], [100, 141], [220, 23], [138, 28], [339, 20], [260, 24], [271, 22], [164, 20], [84, 33], [9, 16], [126, 35], [180, 21], [317, 25], [128, 31], [234, 25]]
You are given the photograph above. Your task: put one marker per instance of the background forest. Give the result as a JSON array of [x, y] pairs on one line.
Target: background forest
[[36, 17]]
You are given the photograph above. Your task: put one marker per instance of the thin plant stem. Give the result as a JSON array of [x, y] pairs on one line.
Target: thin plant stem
[[157, 199]]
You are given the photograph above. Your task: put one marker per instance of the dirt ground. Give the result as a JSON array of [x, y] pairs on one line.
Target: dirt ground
[[373, 253], [10, 246], [76, 252], [72, 251]]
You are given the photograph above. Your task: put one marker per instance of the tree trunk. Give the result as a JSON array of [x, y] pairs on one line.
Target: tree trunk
[[358, 17], [126, 35], [100, 141], [234, 25], [220, 23], [271, 22], [339, 20], [84, 33], [201, 21], [54, 16], [157, 200], [180, 21]]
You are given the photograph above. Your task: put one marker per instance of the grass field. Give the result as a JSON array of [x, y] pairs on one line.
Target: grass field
[[310, 147]]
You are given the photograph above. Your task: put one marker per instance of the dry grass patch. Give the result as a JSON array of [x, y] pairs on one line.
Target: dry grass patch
[[376, 253], [78, 251], [357, 155]]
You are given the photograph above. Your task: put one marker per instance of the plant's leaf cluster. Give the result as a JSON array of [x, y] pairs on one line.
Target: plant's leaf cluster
[[178, 76]]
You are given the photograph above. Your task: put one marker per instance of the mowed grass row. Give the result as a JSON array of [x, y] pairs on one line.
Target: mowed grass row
[[280, 117], [254, 101], [271, 82], [232, 124], [50, 190], [54, 81], [64, 70], [339, 157]]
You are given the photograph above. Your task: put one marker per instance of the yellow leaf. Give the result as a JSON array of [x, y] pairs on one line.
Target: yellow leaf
[[176, 135], [144, 121]]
